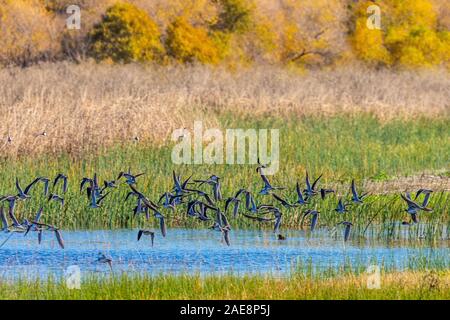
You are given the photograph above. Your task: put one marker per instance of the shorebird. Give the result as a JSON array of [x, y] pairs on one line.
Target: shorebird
[[341, 207], [251, 206], [150, 204], [57, 198], [427, 193], [413, 207], [310, 190], [24, 194], [358, 199], [146, 233], [300, 199], [169, 200], [324, 192], [277, 214], [348, 226], [52, 228], [162, 222], [103, 258], [250, 203], [213, 181], [96, 202], [84, 181], [203, 194], [314, 218], [236, 202], [260, 167], [33, 226], [4, 220], [130, 178], [281, 237], [283, 202], [267, 188], [12, 203], [179, 188], [201, 213], [221, 224], [108, 185], [63, 178]]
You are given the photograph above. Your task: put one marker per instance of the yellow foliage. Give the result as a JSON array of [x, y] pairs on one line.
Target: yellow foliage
[[298, 33], [310, 31], [126, 33], [368, 44], [197, 12], [26, 32], [411, 34], [408, 37], [187, 43]]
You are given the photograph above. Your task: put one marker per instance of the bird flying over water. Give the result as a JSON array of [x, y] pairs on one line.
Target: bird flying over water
[[267, 188], [146, 233], [413, 207], [103, 258], [314, 218], [310, 190], [130, 178], [358, 199], [348, 226], [341, 207], [63, 178]]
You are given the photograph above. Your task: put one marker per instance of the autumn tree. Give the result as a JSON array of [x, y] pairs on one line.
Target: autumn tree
[[27, 33], [187, 43], [125, 34], [311, 32], [368, 43], [410, 34]]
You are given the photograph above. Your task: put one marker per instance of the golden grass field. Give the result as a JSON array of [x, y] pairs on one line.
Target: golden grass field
[[83, 107]]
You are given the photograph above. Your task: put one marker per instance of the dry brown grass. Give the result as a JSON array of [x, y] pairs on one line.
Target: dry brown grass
[[436, 182], [88, 105]]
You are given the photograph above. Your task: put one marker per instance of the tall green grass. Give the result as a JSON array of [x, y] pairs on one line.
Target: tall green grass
[[341, 148], [394, 285]]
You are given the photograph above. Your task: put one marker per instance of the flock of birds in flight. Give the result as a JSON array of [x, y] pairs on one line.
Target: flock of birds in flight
[[197, 204]]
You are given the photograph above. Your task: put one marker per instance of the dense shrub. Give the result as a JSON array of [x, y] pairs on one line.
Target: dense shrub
[[409, 35], [368, 44], [235, 15], [312, 32], [126, 33], [187, 43]]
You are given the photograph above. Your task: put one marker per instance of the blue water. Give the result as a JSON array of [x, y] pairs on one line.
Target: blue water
[[195, 251]]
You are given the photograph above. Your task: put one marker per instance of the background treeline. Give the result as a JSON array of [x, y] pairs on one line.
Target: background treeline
[[298, 33]]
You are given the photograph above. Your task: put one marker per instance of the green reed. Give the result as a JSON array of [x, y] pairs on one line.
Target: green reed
[[341, 148]]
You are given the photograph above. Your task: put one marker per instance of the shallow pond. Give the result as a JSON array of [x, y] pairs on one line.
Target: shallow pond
[[199, 251]]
